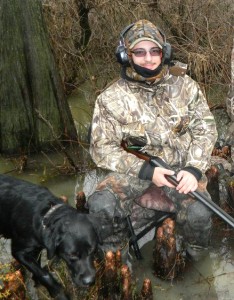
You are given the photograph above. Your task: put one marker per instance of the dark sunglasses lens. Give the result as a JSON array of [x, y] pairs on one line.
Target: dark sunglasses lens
[[155, 51], [139, 53]]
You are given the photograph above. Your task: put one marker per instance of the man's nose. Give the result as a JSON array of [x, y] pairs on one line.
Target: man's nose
[[148, 56]]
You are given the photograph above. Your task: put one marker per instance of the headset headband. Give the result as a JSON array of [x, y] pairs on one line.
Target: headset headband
[[125, 30]]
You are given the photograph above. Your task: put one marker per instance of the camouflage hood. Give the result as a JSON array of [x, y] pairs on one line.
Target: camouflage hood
[[143, 30]]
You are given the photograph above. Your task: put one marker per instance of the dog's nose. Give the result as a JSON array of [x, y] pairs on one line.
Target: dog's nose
[[88, 280]]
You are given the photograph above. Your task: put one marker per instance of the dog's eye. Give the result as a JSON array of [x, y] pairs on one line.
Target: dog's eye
[[74, 256]]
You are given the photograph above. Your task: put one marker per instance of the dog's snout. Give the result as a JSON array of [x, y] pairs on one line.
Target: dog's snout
[[84, 280], [88, 280]]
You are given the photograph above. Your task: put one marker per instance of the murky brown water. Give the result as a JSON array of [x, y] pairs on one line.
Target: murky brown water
[[210, 279], [42, 170]]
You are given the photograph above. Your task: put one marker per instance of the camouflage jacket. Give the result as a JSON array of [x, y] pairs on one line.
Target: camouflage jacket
[[172, 118]]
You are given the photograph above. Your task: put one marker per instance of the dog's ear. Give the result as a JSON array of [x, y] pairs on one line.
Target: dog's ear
[[51, 244], [52, 240]]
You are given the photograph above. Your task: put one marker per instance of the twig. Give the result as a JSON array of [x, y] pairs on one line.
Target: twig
[[70, 160]]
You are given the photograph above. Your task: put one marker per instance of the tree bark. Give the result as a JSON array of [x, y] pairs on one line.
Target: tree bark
[[230, 96], [29, 82]]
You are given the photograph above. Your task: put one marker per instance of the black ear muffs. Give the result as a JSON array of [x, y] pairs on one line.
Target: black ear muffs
[[167, 55], [122, 56], [121, 50], [167, 50]]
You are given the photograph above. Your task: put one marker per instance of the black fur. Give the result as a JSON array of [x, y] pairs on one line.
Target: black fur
[[27, 219]]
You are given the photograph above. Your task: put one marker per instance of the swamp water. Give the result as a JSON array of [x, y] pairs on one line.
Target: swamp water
[[210, 279]]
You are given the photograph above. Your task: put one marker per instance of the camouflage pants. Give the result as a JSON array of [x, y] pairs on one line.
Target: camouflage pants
[[119, 195]]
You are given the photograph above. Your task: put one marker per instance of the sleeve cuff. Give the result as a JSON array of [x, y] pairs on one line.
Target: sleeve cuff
[[196, 172], [146, 171]]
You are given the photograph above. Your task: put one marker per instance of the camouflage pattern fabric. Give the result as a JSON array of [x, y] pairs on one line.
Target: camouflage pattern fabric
[[172, 117], [143, 30], [142, 200], [167, 114]]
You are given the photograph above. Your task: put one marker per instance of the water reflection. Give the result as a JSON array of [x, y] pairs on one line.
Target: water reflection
[[44, 170], [210, 279]]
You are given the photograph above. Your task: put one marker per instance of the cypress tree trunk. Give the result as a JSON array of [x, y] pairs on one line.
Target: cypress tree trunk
[[230, 97], [33, 108]]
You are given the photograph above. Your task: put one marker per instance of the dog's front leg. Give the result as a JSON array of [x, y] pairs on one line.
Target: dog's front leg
[[43, 276]]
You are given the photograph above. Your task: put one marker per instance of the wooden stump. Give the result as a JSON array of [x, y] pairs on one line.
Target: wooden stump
[[13, 287], [146, 290], [80, 202], [231, 192], [168, 263]]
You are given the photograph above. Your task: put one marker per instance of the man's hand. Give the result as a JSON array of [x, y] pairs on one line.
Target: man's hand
[[159, 178], [187, 182]]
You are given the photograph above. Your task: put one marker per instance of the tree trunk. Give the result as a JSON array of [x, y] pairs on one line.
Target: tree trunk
[[230, 97], [33, 108]]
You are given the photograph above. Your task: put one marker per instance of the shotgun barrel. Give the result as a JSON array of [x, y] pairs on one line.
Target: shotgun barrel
[[158, 162]]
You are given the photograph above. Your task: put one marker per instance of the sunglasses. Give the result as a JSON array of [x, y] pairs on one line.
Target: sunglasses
[[142, 52]]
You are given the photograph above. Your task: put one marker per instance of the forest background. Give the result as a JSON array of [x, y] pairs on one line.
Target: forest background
[[85, 33], [51, 50]]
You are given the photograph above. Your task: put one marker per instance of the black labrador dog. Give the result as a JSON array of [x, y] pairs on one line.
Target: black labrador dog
[[34, 219]]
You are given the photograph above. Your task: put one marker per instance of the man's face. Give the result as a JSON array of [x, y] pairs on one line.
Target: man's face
[[147, 54]]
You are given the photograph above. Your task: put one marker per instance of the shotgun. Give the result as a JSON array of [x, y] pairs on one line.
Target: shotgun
[[158, 162]]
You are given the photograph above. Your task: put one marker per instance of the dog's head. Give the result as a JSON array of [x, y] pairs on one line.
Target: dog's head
[[75, 241]]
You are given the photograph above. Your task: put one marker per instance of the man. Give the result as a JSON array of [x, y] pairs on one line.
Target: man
[[155, 105]]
